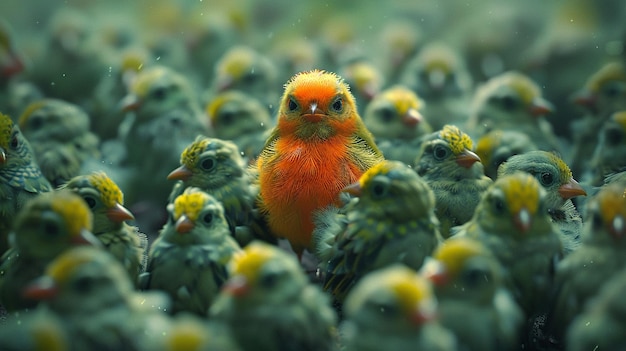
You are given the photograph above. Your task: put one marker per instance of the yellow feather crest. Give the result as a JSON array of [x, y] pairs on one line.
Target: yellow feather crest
[[110, 193], [237, 61], [382, 167], [457, 140], [146, 79], [454, 253], [402, 99], [74, 211], [190, 203], [411, 290], [620, 118], [521, 191], [487, 144], [612, 202], [251, 260], [315, 77], [28, 111], [6, 128], [610, 72], [566, 172], [186, 335], [189, 157], [362, 73], [64, 266], [524, 86], [216, 104]]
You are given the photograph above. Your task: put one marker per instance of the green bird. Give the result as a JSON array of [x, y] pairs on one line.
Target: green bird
[[48, 225], [394, 308], [600, 258], [93, 297], [106, 202], [20, 176], [188, 332], [59, 133], [473, 301], [393, 221], [269, 304], [455, 174], [188, 260], [217, 167], [36, 330], [555, 176], [609, 155], [512, 221], [495, 147]]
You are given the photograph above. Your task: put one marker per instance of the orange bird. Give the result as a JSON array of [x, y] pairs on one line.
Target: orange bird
[[318, 146]]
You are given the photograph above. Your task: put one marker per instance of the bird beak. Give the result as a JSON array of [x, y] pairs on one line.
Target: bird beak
[[585, 98], [85, 238], [236, 286], [369, 91], [436, 272], [130, 103], [314, 115], [181, 173], [540, 107], [353, 189], [119, 214], [43, 288], [522, 220], [571, 189], [419, 317], [12, 66], [412, 118], [467, 158], [225, 83], [184, 225], [3, 156], [618, 226]]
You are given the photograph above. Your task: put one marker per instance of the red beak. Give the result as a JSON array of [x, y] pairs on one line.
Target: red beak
[[85, 238], [184, 225], [540, 107], [119, 214], [181, 173], [43, 288], [585, 98], [571, 189], [130, 103], [236, 286], [467, 159]]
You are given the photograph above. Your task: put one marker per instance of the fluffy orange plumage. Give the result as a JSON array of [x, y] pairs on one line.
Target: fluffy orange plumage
[[319, 146]]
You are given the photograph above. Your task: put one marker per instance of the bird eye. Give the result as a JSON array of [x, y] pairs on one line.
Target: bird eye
[[35, 122], [292, 104], [509, 103], [226, 117], [612, 91], [386, 114], [159, 93], [477, 276], [385, 309], [269, 280], [546, 179], [207, 218], [90, 201], [379, 190], [498, 205], [440, 152], [84, 284], [613, 136], [51, 229], [14, 142], [208, 164], [337, 105]]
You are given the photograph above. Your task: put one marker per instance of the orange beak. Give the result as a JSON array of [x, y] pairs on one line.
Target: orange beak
[[236, 286], [85, 237], [435, 272], [540, 107], [119, 214], [353, 189], [523, 220], [419, 317], [585, 98], [467, 158], [412, 118], [130, 102], [184, 225], [43, 288], [571, 189], [181, 173]]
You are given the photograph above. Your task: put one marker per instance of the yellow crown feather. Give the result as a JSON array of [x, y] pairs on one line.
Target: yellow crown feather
[[110, 193], [521, 190], [611, 71], [382, 167], [74, 211], [457, 140], [566, 172], [524, 86], [402, 98], [6, 128], [145, 80], [190, 203], [64, 266], [189, 157], [251, 259], [620, 118], [454, 253], [237, 61], [411, 290]]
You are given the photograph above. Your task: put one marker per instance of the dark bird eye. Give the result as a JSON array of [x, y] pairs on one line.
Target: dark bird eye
[[51, 229], [498, 205], [546, 179], [227, 117], [269, 280], [159, 93], [386, 114], [90, 201], [612, 91], [208, 218], [440, 152], [379, 190], [476, 277], [84, 284], [509, 103], [292, 104], [337, 105], [14, 142], [613, 136], [208, 164], [35, 122]]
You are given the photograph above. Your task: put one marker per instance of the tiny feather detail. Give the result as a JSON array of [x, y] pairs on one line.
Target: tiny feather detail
[[110, 193], [6, 127], [454, 253], [521, 191], [250, 260], [190, 155], [74, 211], [190, 204], [456, 139]]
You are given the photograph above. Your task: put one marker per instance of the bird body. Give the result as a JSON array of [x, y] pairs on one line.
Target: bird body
[[319, 146]]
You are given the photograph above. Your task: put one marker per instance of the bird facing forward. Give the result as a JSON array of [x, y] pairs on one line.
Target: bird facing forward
[[319, 146]]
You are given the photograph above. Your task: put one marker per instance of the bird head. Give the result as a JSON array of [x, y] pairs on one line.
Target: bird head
[[607, 211], [10, 62], [317, 105], [157, 89], [394, 298], [196, 209], [53, 119], [264, 272], [495, 147], [604, 91], [234, 113], [365, 78], [209, 163]]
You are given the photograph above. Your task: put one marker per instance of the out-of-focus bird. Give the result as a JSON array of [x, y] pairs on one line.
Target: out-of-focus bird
[[473, 301], [191, 333], [600, 325], [512, 101], [365, 81], [497, 146], [49, 224], [455, 174], [438, 75], [188, 260], [580, 276], [269, 304], [245, 69], [394, 118], [166, 117], [604, 94], [400, 40], [239, 117], [216, 166], [319, 146], [555, 176], [394, 308], [106, 202], [20, 176], [512, 221], [90, 292], [37, 330], [393, 221], [609, 155], [59, 133], [11, 62]]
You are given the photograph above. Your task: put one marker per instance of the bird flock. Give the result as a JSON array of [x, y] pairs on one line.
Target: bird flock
[[339, 175]]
